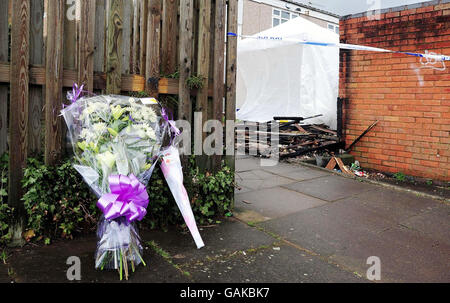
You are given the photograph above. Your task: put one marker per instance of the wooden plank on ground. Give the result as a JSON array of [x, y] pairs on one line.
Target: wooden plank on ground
[[18, 116], [332, 164], [343, 167], [54, 80], [152, 71], [114, 47], [185, 52], [37, 57], [86, 47], [100, 34], [4, 44], [169, 37]]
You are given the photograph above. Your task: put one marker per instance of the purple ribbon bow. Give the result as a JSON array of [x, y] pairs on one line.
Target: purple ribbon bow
[[128, 198], [174, 131]]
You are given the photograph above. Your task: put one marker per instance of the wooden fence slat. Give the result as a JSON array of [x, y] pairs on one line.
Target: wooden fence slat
[[219, 68], [219, 59], [230, 110], [185, 52], [100, 33], [203, 56], [18, 125], [54, 80], [37, 58], [128, 11], [135, 49], [86, 46], [143, 36], [114, 47], [3, 88], [169, 37], [70, 34], [152, 71]]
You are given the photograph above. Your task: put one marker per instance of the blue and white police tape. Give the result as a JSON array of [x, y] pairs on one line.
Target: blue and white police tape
[[428, 56]]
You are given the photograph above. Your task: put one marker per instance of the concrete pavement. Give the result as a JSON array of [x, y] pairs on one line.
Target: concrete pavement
[[292, 224], [345, 221]]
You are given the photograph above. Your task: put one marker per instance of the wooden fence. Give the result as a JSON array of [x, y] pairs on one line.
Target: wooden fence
[[112, 46]]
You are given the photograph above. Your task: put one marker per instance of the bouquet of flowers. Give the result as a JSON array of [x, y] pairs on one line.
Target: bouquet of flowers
[[117, 142]]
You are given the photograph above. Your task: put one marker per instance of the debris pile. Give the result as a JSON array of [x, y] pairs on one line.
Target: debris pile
[[290, 136]]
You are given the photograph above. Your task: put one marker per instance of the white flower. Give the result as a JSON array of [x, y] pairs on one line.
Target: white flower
[[148, 114], [99, 128], [107, 158]]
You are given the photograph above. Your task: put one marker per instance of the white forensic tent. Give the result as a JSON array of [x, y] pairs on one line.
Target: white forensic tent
[[282, 78]]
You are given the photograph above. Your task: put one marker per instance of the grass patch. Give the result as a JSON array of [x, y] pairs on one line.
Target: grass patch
[[167, 257]]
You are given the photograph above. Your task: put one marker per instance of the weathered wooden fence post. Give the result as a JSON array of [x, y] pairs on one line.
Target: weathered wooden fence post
[[203, 57], [219, 67], [185, 52], [37, 58], [54, 80], [100, 34], [143, 35], [230, 110], [18, 117], [4, 43], [86, 45], [152, 69], [114, 47], [169, 37]]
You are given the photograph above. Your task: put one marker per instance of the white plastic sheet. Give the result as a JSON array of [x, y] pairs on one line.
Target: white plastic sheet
[[282, 78]]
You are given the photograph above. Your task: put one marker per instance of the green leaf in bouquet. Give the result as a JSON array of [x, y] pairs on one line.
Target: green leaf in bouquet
[[113, 132], [93, 147], [117, 112], [82, 145]]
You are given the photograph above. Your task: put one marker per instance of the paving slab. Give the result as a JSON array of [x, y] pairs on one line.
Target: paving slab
[[47, 264], [405, 256], [257, 184], [275, 202], [247, 164], [241, 189], [329, 228], [284, 265], [349, 232], [331, 188], [283, 169], [222, 240], [304, 174], [257, 174], [395, 205], [434, 223]]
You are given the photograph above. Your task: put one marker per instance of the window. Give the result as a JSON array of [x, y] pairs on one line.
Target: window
[[334, 28], [280, 16]]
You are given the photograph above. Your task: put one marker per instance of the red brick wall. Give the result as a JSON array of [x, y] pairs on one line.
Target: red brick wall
[[411, 100]]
